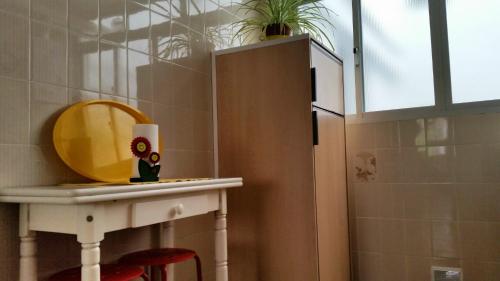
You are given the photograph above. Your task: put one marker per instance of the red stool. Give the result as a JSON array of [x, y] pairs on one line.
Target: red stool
[[161, 258], [109, 272]]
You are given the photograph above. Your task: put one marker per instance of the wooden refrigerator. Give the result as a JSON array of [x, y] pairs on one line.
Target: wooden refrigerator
[[280, 125]]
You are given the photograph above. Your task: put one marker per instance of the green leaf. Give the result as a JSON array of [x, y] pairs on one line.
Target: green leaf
[[147, 172]]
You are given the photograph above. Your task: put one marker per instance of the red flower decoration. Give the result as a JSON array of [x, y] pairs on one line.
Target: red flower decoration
[[141, 147], [154, 157]]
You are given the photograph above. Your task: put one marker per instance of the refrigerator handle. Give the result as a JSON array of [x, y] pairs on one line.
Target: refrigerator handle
[[313, 84], [315, 128]]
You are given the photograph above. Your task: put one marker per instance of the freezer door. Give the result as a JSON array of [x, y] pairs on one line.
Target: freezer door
[[328, 79]]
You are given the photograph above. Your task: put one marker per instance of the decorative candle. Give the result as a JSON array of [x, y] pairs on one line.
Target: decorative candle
[[145, 148]]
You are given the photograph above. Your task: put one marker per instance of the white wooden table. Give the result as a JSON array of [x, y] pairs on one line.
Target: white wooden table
[[89, 212]]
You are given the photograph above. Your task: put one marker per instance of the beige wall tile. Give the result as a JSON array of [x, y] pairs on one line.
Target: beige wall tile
[[475, 240], [440, 164], [491, 162], [392, 236], [197, 15], [202, 130], [114, 70], [163, 116], [83, 63], [368, 199], [14, 105], [144, 106], [418, 238], [419, 269], [361, 135], [467, 129], [139, 76], [468, 163], [386, 134], [443, 202], [415, 168], [417, 201], [182, 128], [48, 51], [368, 235], [392, 200], [478, 202], [20, 7], [160, 35], [14, 46], [370, 267], [202, 92], [75, 95], [138, 25], [113, 27], [445, 241], [46, 103], [161, 7], [83, 16], [180, 11], [449, 210], [439, 131], [389, 168], [20, 165], [494, 241], [412, 132], [200, 58], [179, 52], [474, 270], [202, 164], [490, 128], [50, 11], [163, 86], [393, 268], [181, 81]]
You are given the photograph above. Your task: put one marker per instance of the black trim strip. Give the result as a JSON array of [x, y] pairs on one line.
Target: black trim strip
[[315, 128], [313, 84], [327, 110]]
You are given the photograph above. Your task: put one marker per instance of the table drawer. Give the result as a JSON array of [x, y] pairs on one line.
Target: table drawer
[[172, 208]]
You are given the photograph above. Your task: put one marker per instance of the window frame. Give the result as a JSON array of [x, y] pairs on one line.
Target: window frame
[[444, 105]]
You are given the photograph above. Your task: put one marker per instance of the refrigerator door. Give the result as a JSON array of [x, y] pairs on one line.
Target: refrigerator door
[[329, 79], [331, 198]]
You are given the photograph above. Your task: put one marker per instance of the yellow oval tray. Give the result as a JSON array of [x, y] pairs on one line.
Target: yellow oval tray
[[93, 138]]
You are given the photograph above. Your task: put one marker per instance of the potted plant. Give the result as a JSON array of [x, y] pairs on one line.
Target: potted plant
[[283, 18]]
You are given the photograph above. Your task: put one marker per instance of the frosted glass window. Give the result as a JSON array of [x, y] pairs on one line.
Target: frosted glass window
[[397, 54], [474, 41]]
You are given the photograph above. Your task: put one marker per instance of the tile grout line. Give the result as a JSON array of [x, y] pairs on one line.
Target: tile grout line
[[30, 74], [67, 51], [99, 82], [126, 15]]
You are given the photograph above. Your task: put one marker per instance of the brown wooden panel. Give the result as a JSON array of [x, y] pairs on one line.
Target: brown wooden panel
[[331, 198], [264, 121]]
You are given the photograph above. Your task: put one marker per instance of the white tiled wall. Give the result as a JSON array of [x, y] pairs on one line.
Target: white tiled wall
[[154, 56], [433, 198]]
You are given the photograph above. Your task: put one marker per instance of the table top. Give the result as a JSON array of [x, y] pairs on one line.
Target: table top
[[80, 194]]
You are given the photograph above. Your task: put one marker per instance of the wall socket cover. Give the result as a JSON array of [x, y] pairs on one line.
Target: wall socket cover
[[446, 273]]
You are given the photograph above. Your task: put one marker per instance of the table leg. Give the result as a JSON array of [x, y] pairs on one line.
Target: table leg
[[221, 263], [91, 255], [168, 241], [28, 250], [90, 232]]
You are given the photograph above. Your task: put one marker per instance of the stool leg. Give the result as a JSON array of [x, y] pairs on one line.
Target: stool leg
[[164, 273], [198, 268], [145, 277]]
